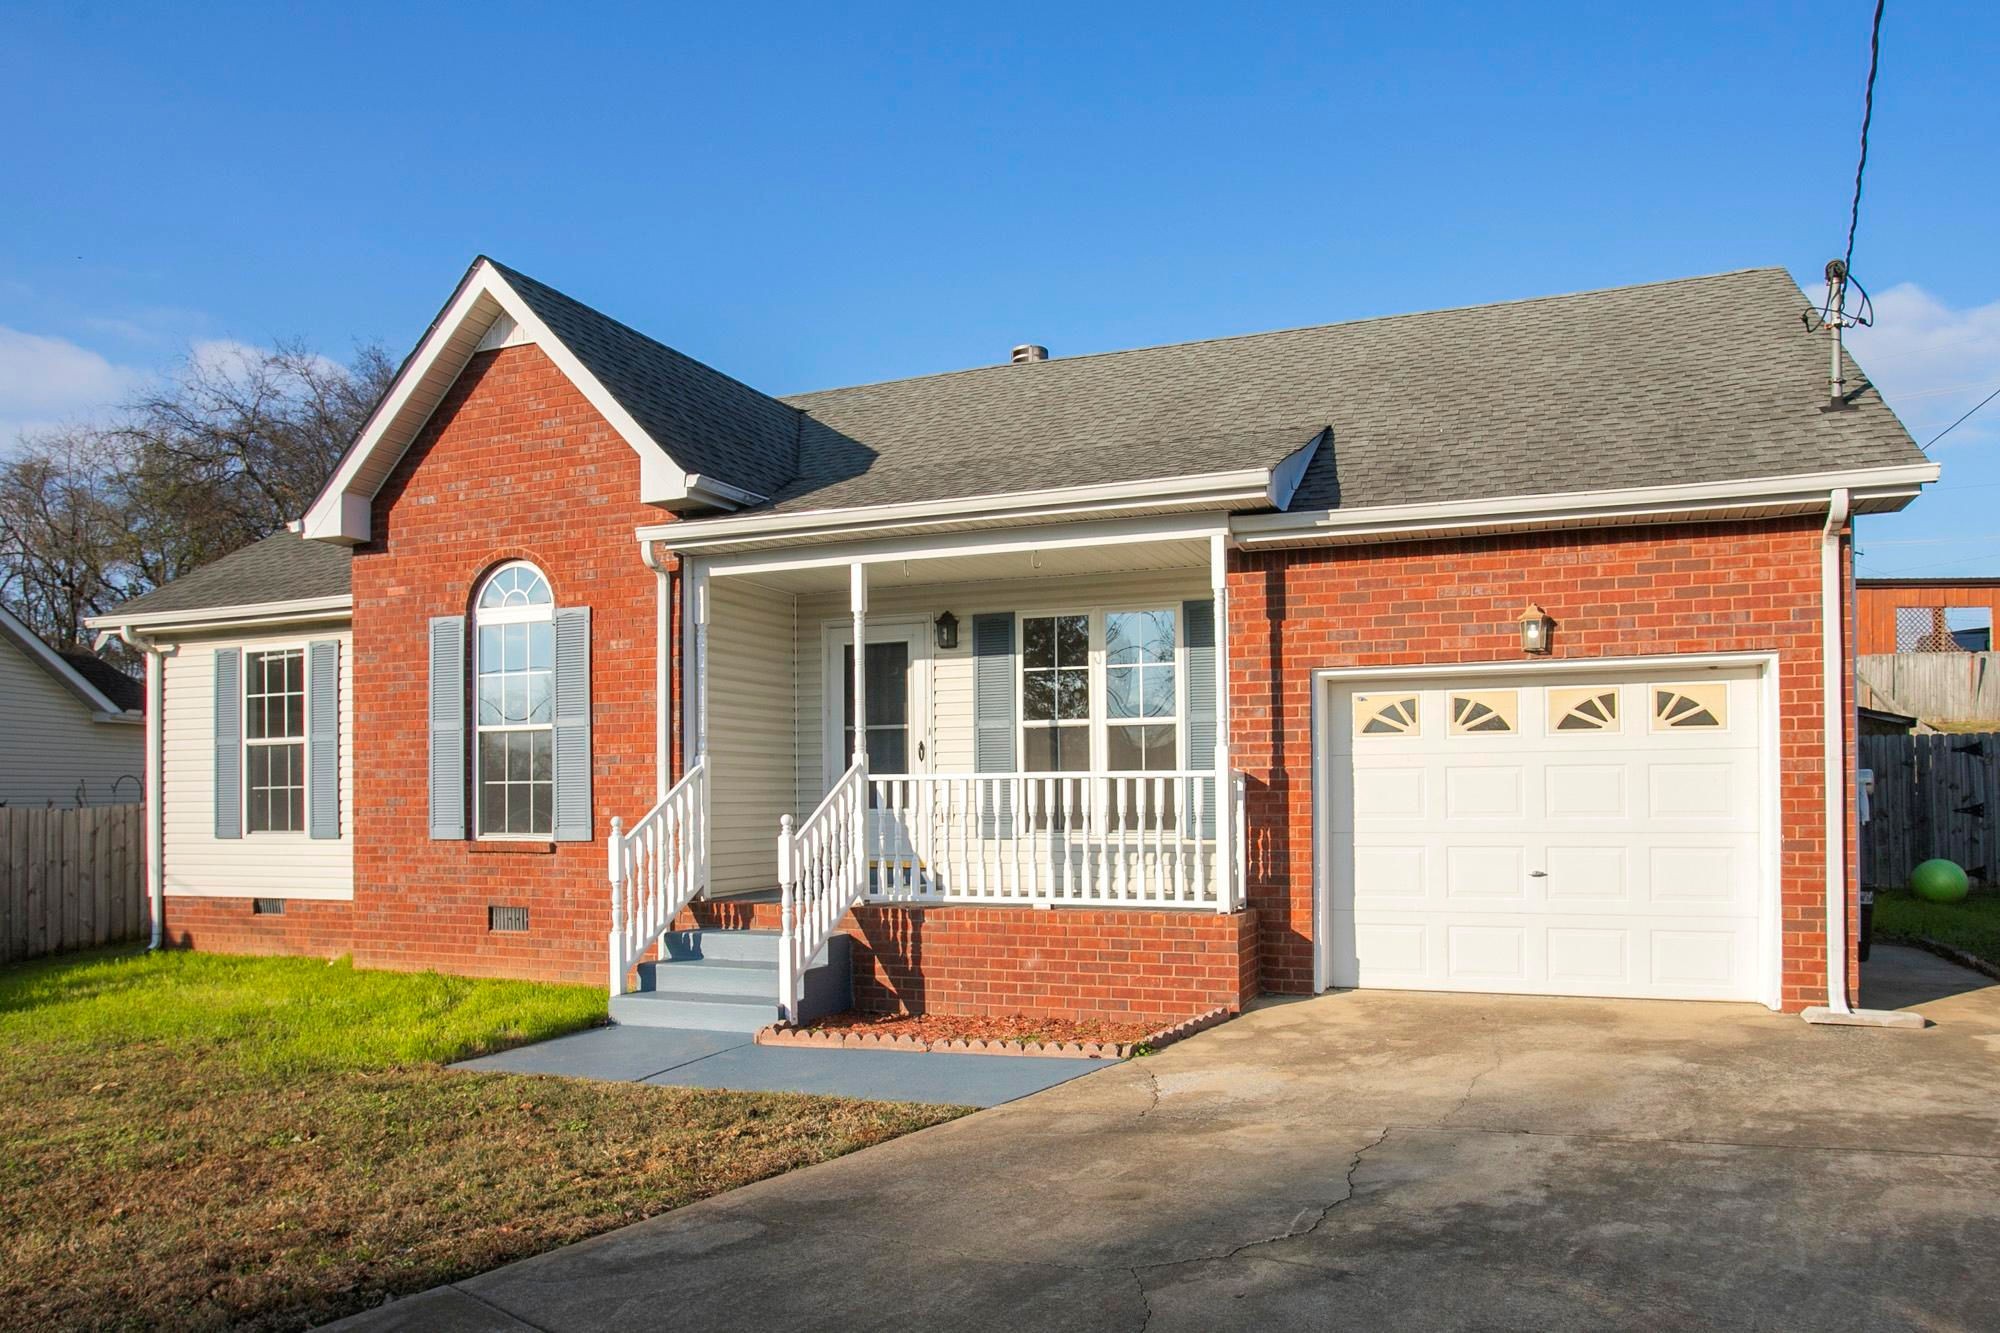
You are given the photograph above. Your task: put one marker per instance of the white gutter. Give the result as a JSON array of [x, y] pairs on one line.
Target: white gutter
[[156, 878], [1247, 486], [229, 617], [1307, 527], [1833, 660]]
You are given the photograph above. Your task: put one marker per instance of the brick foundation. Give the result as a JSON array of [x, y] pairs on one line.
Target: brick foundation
[[1068, 962], [1739, 587], [307, 926]]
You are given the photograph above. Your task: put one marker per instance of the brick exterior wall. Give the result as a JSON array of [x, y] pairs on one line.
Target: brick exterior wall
[[1001, 961], [515, 463], [1741, 587], [307, 926]]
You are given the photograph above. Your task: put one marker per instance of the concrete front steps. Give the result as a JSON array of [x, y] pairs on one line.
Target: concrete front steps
[[727, 981]]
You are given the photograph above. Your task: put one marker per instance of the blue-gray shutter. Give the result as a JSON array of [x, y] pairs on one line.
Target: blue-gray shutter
[[323, 738], [572, 738], [1198, 630], [228, 742], [993, 712], [447, 717]]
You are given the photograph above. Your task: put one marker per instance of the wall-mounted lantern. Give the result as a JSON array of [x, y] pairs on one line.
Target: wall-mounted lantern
[[947, 630], [1536, 627]]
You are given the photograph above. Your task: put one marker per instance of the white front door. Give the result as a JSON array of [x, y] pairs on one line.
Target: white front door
[[897, 739], [1574, 834]]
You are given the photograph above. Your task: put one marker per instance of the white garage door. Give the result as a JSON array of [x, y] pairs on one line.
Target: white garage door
[[1567, 835]]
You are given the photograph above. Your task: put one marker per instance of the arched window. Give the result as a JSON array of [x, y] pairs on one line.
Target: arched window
[[514, 713]]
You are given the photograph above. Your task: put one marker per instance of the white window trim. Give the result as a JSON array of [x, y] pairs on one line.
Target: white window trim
[[1100, 720], [244, 743], [544, 613]]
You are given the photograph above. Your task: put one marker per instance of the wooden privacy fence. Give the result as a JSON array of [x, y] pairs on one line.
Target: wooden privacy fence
[[1934, 796], [70, 879], [1937, 687]]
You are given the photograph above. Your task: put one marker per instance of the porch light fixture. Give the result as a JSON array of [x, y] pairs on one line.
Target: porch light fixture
[[947, 630], [1536, 627]]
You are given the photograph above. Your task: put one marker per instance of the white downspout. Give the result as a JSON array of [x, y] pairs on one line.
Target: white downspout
[[156, 879], [663, 776], [1833, 660]]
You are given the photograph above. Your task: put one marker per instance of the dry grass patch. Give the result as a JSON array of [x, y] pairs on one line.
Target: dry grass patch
[[289, 1159]]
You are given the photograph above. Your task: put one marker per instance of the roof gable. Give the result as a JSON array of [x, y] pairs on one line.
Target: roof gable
[[702, 439], [85, 687]]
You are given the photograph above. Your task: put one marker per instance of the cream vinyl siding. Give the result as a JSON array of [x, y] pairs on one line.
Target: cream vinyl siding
[[752, 681], [949, 739], [51, 750], [277, 865]]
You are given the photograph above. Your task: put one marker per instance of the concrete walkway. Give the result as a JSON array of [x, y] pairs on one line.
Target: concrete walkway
[[1372, 1160], [686, 1059]]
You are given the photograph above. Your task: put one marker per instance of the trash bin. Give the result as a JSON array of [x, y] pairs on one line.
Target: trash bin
[[1867, 922]]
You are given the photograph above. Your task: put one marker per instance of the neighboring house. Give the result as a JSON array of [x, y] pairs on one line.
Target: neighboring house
[[70, 729], [1926, 649], [1924, 615], [1191, 672]]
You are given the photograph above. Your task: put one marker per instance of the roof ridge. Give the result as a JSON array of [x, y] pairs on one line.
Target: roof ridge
[[793, 399], [510, 272]]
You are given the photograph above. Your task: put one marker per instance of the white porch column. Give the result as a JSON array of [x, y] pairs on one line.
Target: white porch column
[[857, 602], [1225, 798], [698, 590]]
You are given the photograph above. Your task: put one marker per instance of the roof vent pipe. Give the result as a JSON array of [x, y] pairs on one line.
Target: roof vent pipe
[[1027, 352]]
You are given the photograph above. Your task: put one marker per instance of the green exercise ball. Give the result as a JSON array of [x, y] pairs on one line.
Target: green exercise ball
[[1939, 881]]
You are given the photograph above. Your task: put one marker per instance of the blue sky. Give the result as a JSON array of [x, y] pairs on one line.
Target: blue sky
[[807, 197]]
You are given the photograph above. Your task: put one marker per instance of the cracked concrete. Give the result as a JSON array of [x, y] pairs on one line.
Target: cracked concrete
[[1375, 1160]]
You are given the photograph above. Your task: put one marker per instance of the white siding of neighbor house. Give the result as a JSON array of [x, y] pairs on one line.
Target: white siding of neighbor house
[[278, 865], [50, 748], [951, 730], [751, 743]]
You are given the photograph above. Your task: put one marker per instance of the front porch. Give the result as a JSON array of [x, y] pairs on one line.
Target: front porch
[[1036, 728]]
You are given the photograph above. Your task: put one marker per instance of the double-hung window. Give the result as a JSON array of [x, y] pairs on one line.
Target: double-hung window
[[1141, 706], [1055, 693], [515, 712], [274, 741]]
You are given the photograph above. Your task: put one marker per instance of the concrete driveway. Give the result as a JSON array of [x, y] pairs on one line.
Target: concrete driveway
[[1377, 1160]]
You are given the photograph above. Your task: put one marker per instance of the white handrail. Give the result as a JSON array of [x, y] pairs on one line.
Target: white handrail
[[822, 871], [656, 869], [1127, 839]]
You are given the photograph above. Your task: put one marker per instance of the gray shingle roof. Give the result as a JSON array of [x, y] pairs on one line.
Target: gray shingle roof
[[284, 567], [127, 693], [706, 421], [1701, 379]]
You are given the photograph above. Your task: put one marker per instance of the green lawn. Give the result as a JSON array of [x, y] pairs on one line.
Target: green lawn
[[1973, 925], [199, 1141]]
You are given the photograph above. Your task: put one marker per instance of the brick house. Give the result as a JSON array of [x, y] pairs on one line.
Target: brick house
[[1493, 649]]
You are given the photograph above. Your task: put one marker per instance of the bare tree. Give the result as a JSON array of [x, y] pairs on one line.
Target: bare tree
[[61, 533], [226, 450]]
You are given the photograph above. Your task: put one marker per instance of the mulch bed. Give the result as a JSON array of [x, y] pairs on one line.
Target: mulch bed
[[1078, 1038]]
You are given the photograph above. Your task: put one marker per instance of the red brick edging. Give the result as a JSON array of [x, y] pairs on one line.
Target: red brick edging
[[784, 1034]]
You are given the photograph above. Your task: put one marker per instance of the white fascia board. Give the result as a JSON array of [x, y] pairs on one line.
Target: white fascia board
[[340, 513], [979, 542], [52, 661], [1531, 511], [1215, 489], [303, 609]]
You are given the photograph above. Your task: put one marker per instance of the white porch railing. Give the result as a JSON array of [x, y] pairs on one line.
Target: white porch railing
[[657, 869], [822, 871], [1052, 839]]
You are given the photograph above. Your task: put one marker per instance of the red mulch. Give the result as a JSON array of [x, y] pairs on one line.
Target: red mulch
[[1020, 1027]]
